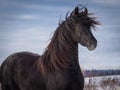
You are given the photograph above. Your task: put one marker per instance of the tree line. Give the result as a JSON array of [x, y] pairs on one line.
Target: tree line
[[94, 72]]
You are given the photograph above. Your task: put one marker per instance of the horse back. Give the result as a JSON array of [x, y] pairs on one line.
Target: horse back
[[19, 69]]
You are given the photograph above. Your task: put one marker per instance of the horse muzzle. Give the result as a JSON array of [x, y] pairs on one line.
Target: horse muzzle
[[92, 46]]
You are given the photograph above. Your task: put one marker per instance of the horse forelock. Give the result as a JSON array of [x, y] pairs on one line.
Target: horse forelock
[[86, 19]]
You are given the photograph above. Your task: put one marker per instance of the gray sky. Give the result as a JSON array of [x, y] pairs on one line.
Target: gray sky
[[27, 25]]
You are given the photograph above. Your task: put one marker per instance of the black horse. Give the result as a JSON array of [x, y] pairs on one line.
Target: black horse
[[57, 68]]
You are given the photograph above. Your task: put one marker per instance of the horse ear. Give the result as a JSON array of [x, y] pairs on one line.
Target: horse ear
[[86, 11], [75, 11]]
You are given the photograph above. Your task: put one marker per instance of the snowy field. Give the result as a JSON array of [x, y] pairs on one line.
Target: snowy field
[[103, 83]]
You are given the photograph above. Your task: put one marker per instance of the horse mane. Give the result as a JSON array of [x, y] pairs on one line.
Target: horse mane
[[55, 57]]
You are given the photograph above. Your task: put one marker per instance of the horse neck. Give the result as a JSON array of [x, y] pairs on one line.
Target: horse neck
[[62, 52]]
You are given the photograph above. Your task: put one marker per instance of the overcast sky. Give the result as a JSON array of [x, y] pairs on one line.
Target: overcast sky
[[28, 25]]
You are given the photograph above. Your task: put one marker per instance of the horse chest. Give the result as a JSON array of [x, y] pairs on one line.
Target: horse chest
[[57, 81]]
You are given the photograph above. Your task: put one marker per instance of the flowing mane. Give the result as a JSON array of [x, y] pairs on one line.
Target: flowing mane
[[57, 54]]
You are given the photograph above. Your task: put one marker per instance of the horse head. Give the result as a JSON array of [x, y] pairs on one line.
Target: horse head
[[83, 24]]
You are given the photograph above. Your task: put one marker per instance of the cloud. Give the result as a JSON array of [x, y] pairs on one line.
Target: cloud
[[107, 2], [21, 16], [16, 11], [31, 39], [35, 6], [29, 17], [34, 39], [99, 60]]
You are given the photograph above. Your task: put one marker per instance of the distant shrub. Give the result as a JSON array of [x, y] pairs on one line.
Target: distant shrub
[[108, 83], [94, 72]]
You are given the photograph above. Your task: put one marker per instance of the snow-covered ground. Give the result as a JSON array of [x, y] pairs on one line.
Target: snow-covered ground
[[103, 83]]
